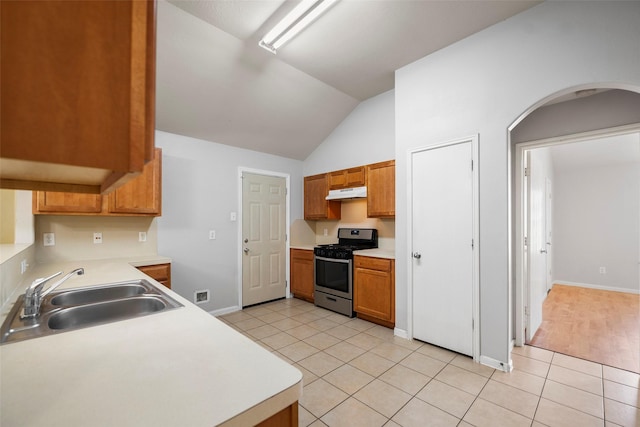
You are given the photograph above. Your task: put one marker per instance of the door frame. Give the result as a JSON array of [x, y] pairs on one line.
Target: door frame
[[287, 177], [474, 140], [521, 284]]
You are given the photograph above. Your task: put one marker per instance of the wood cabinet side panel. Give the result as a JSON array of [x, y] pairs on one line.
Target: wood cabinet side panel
[[142, 195]]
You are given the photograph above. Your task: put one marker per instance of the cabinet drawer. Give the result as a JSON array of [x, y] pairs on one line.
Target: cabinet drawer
[[380, 264], [303, 254]]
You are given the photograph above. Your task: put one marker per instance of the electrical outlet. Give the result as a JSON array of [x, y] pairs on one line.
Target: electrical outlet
[[212, 234], [49, 239], [200, 297], [325, 232], [142, 236], [23, 266], [603, 270], [97, 238]]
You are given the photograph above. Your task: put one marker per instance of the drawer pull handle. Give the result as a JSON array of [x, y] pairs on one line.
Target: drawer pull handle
[[332, 299]]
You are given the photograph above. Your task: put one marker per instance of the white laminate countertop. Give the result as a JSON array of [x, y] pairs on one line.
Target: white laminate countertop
[[180, 367], [376, 253]]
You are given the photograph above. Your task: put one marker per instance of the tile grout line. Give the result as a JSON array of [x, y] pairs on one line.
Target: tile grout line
[[386, 340]]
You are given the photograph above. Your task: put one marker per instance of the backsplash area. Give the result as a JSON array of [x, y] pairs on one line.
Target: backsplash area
[[74, 237], [354, 214], [10, 272]]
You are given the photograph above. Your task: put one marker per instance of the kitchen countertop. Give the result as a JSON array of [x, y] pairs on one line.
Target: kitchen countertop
[[303, 247], [376, 253], [180, 367]]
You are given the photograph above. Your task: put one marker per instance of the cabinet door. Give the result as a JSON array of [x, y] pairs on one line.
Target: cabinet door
[[302, 274], [66, 203], [381, 189], [142, 195], [347, 178], [315, 204], [139, 197], [78, 83], [374, 290]]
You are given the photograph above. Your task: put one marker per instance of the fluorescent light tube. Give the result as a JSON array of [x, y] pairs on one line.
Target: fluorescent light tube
[[302, 15]]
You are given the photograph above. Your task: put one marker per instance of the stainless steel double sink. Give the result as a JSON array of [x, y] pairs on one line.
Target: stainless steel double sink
[[71, 309]]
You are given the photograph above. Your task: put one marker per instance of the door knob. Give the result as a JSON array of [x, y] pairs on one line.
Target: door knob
[[246, 250], [417, 255], [246, 240]]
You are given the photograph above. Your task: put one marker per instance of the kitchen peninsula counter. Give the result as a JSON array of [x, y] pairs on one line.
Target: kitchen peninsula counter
[[180, 367]]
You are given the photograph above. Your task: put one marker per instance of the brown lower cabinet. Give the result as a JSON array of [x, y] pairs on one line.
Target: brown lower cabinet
[[302, 274], [374, 293], [288, 417], [159, 272]]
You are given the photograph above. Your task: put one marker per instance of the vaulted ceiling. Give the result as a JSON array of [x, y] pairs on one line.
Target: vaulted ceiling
[[216, 84]]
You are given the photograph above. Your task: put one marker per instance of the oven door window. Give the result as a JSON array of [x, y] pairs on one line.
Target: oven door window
[[333, 274]]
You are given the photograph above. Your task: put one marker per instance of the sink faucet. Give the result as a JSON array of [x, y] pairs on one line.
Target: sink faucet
[[33, 295]]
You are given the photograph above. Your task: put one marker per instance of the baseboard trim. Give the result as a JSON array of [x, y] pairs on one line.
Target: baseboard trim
[[401, 333], [600, 287], [226, 310], [496, 364]]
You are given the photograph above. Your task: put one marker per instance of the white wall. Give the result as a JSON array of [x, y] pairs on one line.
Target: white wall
[[597, 224], [366, 136], [481, 85], [604, 110], [200, 189]]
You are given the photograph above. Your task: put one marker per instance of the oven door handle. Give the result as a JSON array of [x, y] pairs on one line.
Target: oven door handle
[[344, 261]]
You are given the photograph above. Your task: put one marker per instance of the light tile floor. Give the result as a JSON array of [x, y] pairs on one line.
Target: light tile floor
[[356, 373]]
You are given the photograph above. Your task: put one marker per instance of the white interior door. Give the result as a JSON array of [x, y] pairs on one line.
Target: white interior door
[[537, 248], [263, 238], [442, 232], [548, 227]]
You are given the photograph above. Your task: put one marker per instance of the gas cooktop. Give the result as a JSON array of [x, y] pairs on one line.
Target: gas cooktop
[[349, 240]]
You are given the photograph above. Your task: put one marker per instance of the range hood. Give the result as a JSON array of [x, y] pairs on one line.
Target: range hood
[[348, 193]]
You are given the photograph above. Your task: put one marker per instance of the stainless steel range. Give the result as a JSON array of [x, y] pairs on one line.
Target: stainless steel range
[[333, 268]]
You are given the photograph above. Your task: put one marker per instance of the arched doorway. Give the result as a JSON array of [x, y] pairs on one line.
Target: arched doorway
[[574, 115]]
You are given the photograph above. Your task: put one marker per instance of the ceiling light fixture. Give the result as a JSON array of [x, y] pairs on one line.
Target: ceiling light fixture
[[302, 15]]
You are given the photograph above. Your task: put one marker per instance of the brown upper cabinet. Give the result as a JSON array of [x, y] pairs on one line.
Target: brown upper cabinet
[[142, 196], [78, 93], [381, 189], [347, 178], [316, 206]]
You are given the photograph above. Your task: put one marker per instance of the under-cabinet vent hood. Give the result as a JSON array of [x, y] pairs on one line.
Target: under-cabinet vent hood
[[348, 193]]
